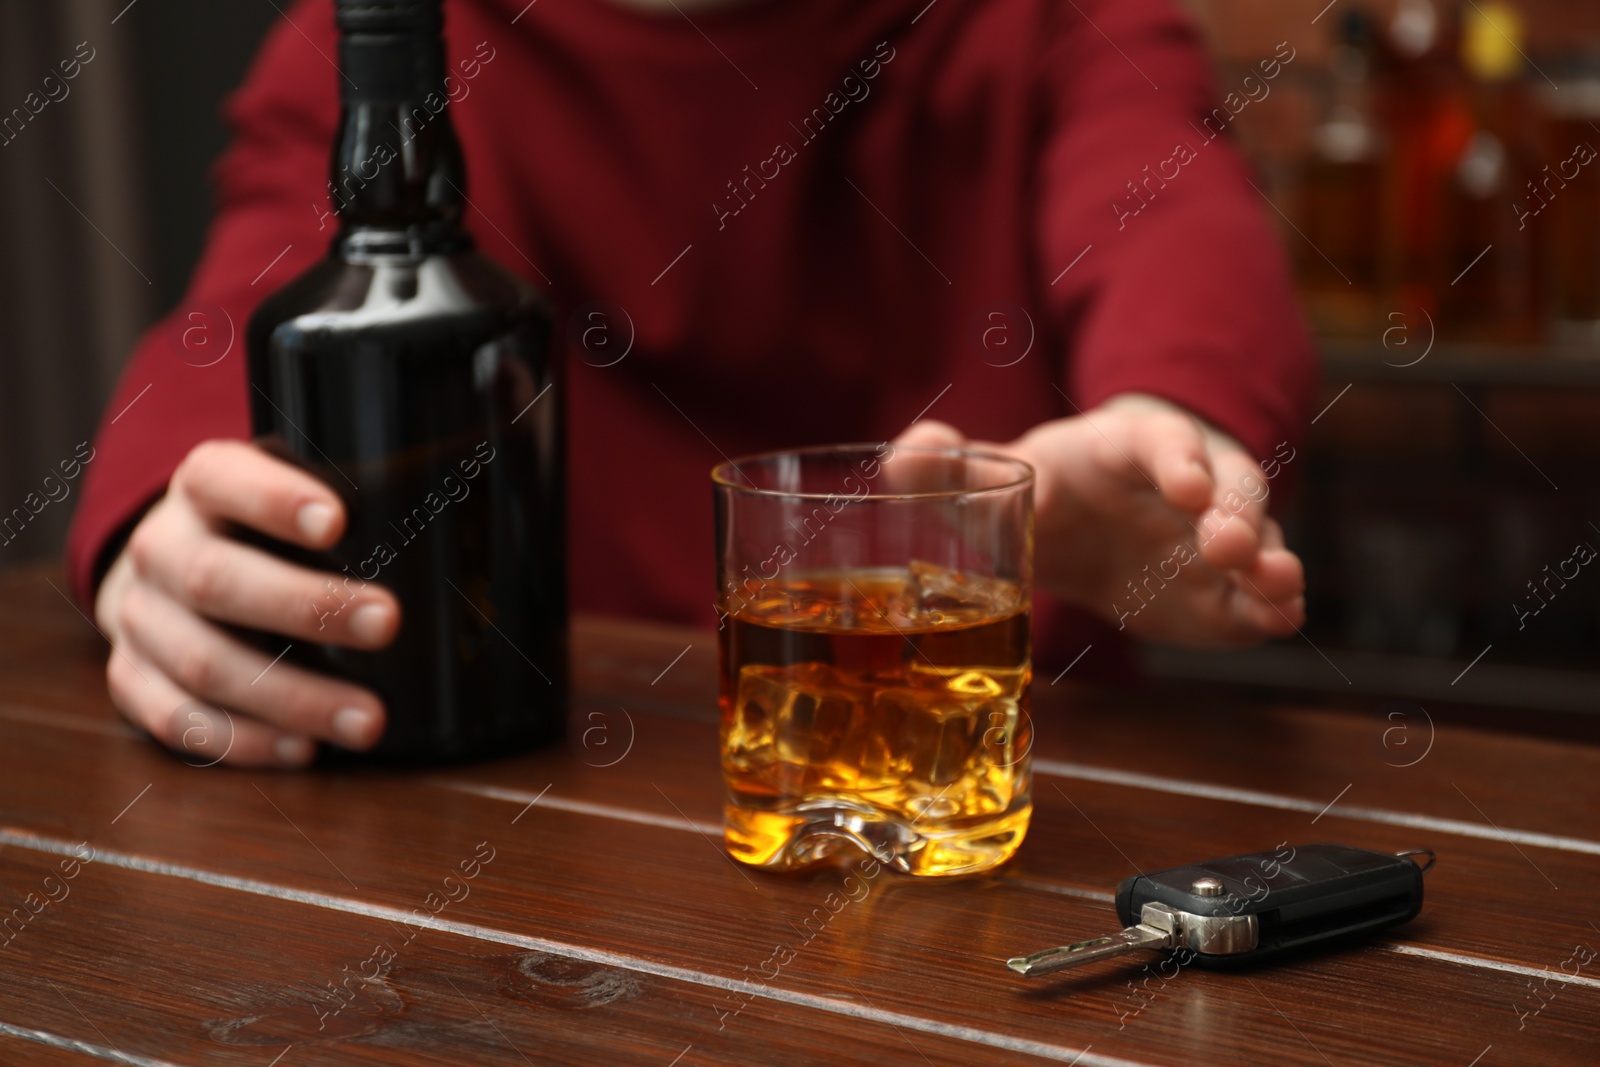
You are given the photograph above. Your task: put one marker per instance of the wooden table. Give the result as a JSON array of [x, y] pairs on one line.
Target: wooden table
[[575, 906]]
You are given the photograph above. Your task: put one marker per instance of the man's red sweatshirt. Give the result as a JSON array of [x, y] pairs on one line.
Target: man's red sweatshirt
[[778, 223]]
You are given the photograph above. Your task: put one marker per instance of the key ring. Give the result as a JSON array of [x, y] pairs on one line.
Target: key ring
[[1428, 852]]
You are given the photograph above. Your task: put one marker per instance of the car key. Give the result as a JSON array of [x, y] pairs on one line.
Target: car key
[[1243, 909]]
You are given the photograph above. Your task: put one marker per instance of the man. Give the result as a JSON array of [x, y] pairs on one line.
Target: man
[[800, 221]]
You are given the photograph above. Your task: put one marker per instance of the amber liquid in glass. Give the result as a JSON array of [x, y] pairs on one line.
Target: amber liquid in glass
[[875, 709]]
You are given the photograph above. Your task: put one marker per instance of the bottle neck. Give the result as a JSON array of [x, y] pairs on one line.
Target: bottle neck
[[397, 179]]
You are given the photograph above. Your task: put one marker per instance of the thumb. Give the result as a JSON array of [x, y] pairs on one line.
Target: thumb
[[931, 433], [1027, 449], [928, 472], [913, 471]]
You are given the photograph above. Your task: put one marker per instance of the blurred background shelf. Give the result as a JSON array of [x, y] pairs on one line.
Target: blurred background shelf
[[1437, 508], [1388, 681], [1466, 365]]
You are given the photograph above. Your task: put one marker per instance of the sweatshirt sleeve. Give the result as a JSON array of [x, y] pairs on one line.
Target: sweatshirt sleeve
[[185, 382], [1168, 277]]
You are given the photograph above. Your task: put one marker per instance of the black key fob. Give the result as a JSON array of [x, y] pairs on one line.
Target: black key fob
[[1241, 910], [1298, 896]]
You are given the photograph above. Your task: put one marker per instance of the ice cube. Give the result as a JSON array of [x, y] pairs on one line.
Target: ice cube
[[806, 722], [1007, 733], [943, 591], [760, 699], [935, 734]]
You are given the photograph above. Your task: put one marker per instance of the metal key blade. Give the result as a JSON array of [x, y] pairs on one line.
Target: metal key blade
[[1098, 948]]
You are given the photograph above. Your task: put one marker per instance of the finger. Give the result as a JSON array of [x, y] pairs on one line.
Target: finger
[[1277, 576], [119, 576], [1161, 450], [221, 670], [1280, 586], [1172, 450], [1271, 534], [200, 733], [1254, 619], [232, 582], [1278, 581], [235, 481], [1268, 604], [1229, 531]]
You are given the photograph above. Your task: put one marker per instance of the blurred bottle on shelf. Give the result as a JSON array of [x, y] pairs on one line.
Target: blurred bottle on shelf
[[1489, 248], [1564, 202], [1341, 195], [1426, 113]]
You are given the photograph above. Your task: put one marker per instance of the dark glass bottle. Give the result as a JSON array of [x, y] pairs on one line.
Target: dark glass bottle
[[416, 378]]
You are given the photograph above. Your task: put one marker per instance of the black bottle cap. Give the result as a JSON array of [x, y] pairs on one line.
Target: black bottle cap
[[389, 16], [390, 50]]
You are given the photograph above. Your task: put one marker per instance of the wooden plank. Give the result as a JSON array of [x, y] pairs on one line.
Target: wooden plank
[[652, 896], [146, 967], [45, 1049], [50, 652]]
